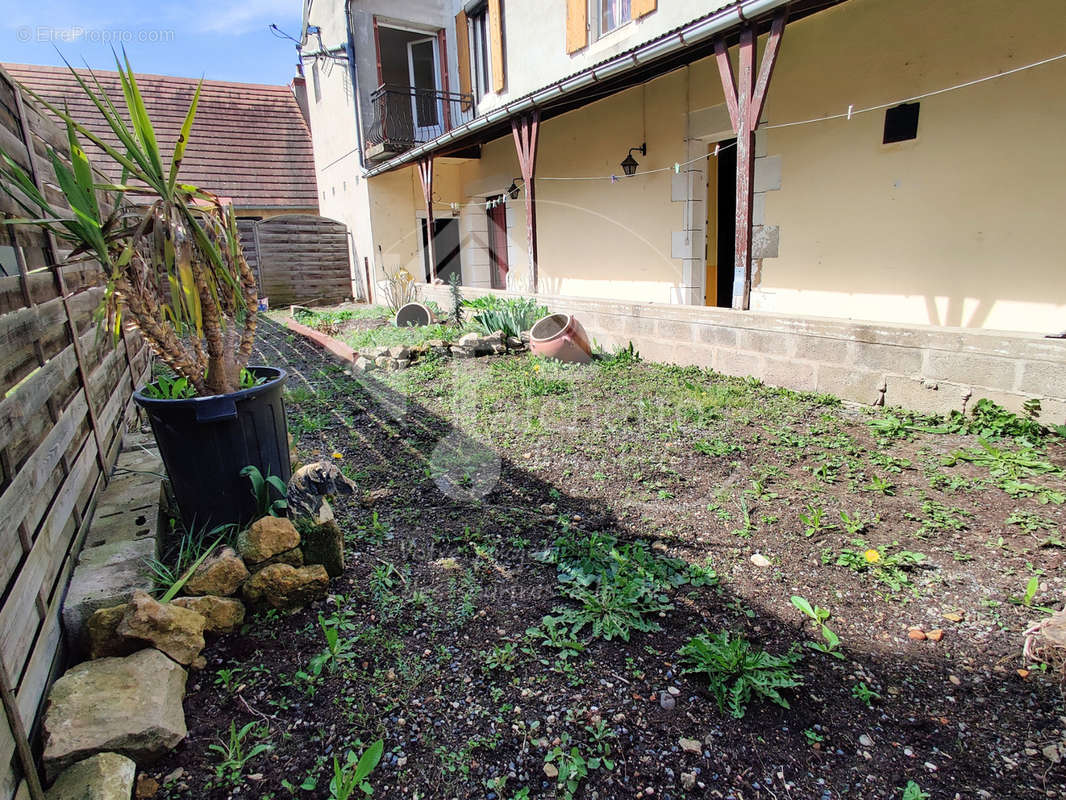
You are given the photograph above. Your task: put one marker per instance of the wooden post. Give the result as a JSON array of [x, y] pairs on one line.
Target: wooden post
[[425, 172], [366, 268], [18, 731], [745, 98], [525, 129]]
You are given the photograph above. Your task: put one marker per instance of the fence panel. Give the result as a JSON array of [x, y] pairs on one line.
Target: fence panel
[[64, 403], [303, 259]]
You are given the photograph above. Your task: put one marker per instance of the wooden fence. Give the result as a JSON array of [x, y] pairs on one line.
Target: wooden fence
[[299, 258], [64, 401]]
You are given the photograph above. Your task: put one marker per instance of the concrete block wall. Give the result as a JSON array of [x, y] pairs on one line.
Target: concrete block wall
[[924, 368]]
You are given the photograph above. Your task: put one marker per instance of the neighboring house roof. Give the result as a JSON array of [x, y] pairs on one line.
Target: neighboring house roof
[[249, 142]]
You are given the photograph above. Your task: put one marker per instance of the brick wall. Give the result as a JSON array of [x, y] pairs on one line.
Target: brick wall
[[924, 368]]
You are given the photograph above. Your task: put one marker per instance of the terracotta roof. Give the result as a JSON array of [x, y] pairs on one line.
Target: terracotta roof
[[249, 142]]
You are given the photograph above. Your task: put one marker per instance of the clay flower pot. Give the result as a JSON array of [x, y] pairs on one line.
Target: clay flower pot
[[414, 314], [561, 337]]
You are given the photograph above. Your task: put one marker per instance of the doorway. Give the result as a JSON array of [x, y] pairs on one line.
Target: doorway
[[498, 265], [422, 59], [445, 248], [721, 224]]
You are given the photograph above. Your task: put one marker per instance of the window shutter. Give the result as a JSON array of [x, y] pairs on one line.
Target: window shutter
[[577, 25], [496, 44], [462, 52], [639, 8]]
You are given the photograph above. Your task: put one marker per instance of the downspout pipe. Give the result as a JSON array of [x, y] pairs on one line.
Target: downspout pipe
[[354, 74], [694, 32]]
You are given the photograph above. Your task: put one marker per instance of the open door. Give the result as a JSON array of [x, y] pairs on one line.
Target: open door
[[445, 248], [426, 106], [721, 225], [498, 265]]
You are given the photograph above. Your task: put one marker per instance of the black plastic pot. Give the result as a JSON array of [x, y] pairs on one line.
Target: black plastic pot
[[205, 442]]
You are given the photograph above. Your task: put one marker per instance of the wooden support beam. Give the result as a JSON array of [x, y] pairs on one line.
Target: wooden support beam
[[745, 97], [425, 174], [525, 129], [18, 732]]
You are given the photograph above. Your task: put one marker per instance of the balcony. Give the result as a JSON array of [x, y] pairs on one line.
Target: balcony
[[405, 116]]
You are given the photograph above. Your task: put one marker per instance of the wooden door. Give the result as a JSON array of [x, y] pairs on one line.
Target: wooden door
[[498, 265]]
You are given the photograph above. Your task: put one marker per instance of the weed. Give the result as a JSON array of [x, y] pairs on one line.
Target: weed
[[939, 517], [1027, 598], [717, 448], [887, 567], [912, 791], [1003, 463], [337, 649], [574, 766], [232, 753], [1030, 521], [737, 672], [512, 315], [860, 691], [854, 524], [502, 657], [354, 773], [812, 736], [881, 486], [612, 609], [819, 616], [813, 520]]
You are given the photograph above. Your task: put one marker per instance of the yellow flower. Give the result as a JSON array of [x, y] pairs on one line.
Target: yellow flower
[[338, 455], [536, 367], [872, 556]]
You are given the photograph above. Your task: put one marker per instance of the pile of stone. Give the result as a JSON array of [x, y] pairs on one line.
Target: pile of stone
[[469, 345], [123, 708]]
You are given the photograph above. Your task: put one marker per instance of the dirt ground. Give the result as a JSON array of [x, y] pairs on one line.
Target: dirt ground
[[472, 473]]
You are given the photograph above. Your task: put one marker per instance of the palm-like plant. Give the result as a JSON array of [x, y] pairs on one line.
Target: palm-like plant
[[170, 252]]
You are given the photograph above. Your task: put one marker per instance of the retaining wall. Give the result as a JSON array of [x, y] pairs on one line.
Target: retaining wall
[[925, 368]]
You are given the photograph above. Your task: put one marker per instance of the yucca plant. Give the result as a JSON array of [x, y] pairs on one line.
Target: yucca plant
[[170, 253]]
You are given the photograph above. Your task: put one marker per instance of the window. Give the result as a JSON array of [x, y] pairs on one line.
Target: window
[[611, 14], [901, 123], [315, 82], [480, 67]]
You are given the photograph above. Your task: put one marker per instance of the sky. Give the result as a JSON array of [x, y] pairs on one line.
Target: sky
[[227, 40]]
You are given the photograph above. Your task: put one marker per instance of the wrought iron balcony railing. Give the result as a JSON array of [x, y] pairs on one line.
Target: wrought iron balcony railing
[[405, 116]]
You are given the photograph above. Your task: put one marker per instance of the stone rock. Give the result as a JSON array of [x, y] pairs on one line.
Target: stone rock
[[324, 542], [104, 641], [130, 706], [381, 362], [221, 614], [514, 343], [551, 771], [760, 560], [284, 587], [462, 352], [690, 745], [221, 574], [499, 349], [267, 537], [365, 364], [147, 787], [176, 631], [688, 781], [104, 583], [916, 634], [105, 776], [469, 340], [399, 352], [934, 635]]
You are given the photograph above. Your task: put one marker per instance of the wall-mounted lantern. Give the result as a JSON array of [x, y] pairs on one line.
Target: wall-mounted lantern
[[629, 166]]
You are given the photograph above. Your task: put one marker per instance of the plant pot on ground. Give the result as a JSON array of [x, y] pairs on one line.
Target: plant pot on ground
[[174, 271]]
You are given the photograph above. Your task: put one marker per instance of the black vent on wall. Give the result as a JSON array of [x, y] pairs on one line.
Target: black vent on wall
[[901, 123]]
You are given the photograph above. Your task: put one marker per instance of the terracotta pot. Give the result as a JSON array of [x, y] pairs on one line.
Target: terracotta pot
[[414, 314], [561, 337]]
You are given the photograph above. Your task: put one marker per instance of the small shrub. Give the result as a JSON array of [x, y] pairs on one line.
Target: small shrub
[[737, 672]]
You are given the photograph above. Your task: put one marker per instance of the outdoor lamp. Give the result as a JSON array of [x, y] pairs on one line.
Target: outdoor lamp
[[629, 166], [513, 190]]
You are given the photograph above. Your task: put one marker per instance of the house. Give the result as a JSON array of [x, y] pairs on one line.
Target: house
[[820, 189], [250, 143]]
